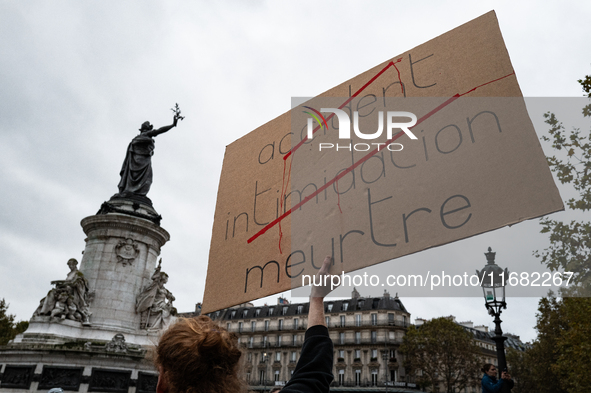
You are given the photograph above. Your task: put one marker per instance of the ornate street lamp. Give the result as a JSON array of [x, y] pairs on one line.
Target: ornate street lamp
[[493, 280]]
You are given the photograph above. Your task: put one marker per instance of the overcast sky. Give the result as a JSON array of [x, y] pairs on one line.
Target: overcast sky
[[79, 78]]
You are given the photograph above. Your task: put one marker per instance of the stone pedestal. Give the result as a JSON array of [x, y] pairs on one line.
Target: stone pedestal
[[115, 277], [107, 351], [119, 259]]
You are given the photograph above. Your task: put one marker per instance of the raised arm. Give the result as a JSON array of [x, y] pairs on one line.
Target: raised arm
[[162, 130], [316, 312], [313, 373]]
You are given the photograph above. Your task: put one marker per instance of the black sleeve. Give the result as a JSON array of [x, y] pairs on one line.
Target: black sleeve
[[313, 373], [510, 383]]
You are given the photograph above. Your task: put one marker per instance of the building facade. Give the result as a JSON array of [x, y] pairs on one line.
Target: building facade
[[366, 333]]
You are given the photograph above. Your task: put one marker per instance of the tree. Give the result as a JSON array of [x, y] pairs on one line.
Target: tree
[[441, 352], [8, 328], [570, 243], [560, 356]]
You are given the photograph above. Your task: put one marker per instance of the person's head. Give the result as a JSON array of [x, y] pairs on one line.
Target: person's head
[[489, 369], [72, 263], [146, 126], [196, 356]]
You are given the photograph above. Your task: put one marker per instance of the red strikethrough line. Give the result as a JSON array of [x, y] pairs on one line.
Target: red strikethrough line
[[367, 156]]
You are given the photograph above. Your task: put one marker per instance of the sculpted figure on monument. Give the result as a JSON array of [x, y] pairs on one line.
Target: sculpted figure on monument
[[154, 304], [136, 171], [69, 298]]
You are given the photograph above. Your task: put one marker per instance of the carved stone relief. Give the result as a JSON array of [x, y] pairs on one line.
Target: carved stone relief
[[127, 251]]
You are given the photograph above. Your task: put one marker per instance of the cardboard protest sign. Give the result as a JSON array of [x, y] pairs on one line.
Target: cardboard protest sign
[[285, 200]]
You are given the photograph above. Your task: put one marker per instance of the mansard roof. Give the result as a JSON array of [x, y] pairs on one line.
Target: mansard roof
[[295, 309]]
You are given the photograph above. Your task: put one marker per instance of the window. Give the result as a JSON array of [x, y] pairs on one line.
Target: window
[[264, 341], [258, 312], [285, 310], [357, 377], [264, 357], [300, 309], [360, 304], [239, 327], [342, 320], [342, 353], [341, 338], [244, 313], [253, 326], [271, 309], [293, 356], [295, 339], [394, 375], [250, 342], [391, 318], [327, 320], [357, 337], [228, 326], [278, 341], [277, 356], [374, 377], [266, 326], [375, 304], [404, 320], [329, 307], [374, 319], [262, 376], [374, 353], [249, 357], [341, 376], [247, 377], [357, 320], [233, 314], [276, 375], [239, 340], [374, 337], [280, 324], [357, 354], [295, 323], [345, 306]]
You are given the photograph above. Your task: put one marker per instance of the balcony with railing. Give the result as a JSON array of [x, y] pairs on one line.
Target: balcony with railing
[[299, 342], [349, 325], [367, 341]]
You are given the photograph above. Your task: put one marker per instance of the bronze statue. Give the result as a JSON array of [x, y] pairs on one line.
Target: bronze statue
[[136, 171]]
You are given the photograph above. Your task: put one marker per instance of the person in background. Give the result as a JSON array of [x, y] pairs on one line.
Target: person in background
[[490, 384], [199, 356]]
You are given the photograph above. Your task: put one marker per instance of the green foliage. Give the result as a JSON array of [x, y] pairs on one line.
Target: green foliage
[[570, 243], [8, 328], [441, 352], [559, 358]]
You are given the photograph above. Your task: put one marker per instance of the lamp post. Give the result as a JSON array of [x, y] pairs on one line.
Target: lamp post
[[493, 280]]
